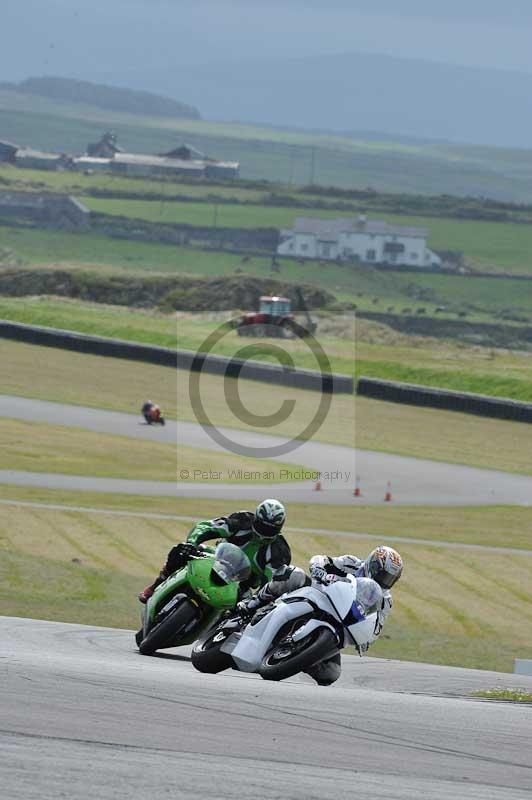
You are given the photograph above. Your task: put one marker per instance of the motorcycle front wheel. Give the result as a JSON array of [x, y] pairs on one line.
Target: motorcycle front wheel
[[167, 632], [286, 658], [206, 655]]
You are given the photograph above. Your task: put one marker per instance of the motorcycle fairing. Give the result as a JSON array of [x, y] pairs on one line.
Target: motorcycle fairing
[[248, 649]]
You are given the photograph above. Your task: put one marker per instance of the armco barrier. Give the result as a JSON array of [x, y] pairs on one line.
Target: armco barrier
[[412, 394], [178, 359]]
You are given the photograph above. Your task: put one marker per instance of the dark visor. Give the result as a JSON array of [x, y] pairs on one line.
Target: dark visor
[[384, 579], [265, 529]]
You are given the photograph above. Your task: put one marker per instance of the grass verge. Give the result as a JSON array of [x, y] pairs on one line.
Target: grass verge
[[39, 447], [510, 695]]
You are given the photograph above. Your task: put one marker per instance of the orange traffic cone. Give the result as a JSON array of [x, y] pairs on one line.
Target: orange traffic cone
[[388, 495], [357, 492], [317, 486]]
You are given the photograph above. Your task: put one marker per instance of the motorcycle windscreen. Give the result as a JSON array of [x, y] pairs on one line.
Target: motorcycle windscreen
[[361, 619], [369, 595], [231, 563]]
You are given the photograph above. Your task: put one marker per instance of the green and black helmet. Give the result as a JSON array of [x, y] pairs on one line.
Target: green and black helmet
[[269, 519]]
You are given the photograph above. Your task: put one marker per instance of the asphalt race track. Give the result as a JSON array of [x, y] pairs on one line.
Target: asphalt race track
[[85, 716], [413, 481]]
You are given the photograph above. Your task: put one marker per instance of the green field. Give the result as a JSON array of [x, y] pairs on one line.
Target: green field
[[425, 362], [286, 156], [110, 185], [487, 246], [86, 567], [481, 299]]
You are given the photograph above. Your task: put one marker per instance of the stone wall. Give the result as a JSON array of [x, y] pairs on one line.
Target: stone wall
[[46, 209]]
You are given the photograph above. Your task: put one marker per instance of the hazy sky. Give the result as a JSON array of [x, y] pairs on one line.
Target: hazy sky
[[199, 52], [122, 40]]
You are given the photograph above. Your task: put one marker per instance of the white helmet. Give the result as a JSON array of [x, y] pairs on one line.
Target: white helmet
[[269, 519]]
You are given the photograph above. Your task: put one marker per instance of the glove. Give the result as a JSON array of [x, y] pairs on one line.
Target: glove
[[246, 608], [239, 521], [318, 573], [318, 569], [179, 555]]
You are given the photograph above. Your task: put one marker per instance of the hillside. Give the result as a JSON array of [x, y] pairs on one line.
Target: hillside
[[98, 95], [292, 157]]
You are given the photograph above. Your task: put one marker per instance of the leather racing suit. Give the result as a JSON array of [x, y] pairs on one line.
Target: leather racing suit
[[268, 557], [323, 570]]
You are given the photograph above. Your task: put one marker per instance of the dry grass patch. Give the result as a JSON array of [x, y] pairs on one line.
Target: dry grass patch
[[38, 447], [444, 436], [492, 526], [509, 695]]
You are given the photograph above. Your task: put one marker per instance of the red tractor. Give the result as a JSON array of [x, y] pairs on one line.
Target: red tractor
[[275, 318]]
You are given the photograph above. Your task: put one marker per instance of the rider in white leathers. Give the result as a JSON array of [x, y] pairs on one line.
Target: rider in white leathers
[[384, 565]]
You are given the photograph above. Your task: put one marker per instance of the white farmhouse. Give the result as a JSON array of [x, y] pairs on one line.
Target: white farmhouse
[[370, 241]]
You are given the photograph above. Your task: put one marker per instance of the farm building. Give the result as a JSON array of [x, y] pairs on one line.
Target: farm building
[[369, 241], [106, 147], [222, 169], [106, 154], [144, 166], [35, 159], [185, 152], [8, 151], [91, 164], [212, 167]]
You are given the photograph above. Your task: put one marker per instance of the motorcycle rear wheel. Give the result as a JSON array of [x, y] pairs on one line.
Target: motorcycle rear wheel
[[276, 667], [167, 631]]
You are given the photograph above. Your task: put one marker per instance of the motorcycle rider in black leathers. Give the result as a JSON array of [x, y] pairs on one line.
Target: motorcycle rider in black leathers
[[257, 533]]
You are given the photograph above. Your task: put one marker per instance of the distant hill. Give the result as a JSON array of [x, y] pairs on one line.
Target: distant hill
[[111, 98]]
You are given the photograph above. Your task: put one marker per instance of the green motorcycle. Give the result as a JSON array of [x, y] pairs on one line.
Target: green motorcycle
[[193, 598]]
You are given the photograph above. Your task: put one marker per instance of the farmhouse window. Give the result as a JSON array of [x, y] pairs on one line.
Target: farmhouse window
[[394, 247]]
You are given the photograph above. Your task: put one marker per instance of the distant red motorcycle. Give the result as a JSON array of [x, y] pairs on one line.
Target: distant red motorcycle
[[152, 413]]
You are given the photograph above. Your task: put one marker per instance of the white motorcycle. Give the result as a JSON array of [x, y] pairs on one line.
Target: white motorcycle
[[296, 632]]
